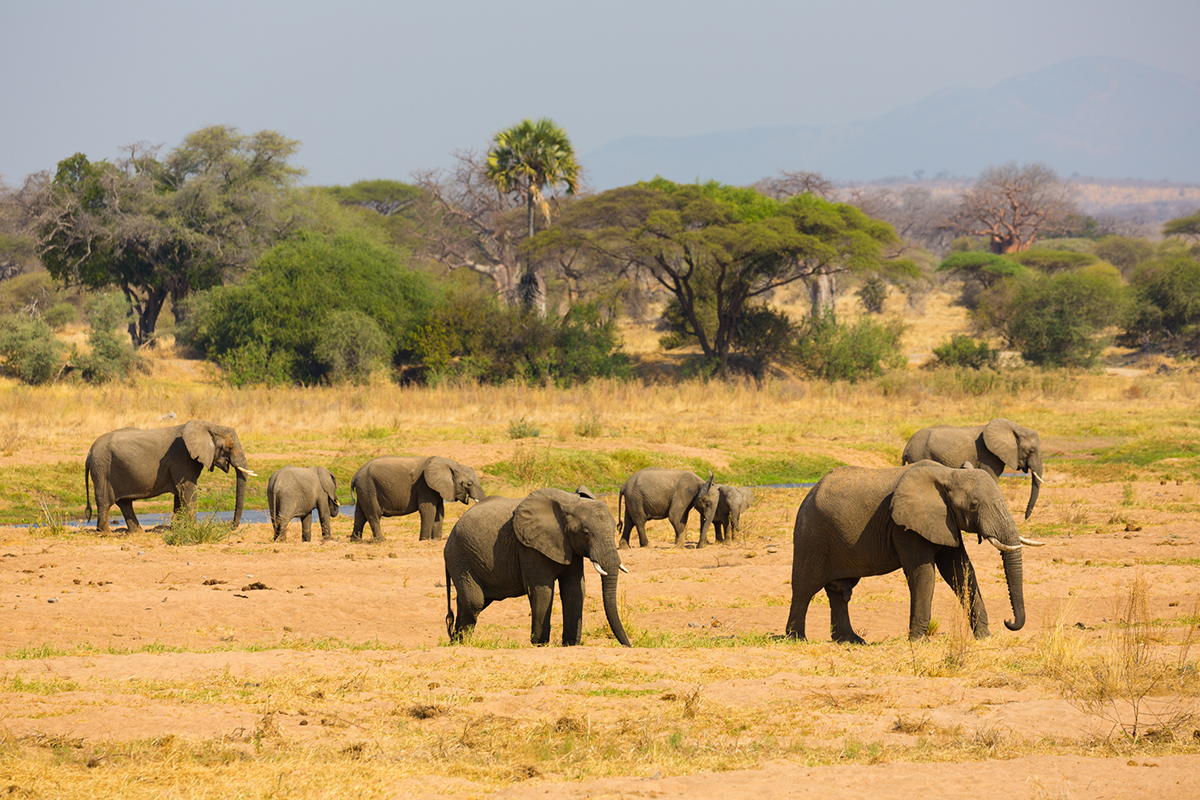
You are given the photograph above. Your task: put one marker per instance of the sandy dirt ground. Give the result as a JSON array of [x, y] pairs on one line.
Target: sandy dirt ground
[[142, 612]]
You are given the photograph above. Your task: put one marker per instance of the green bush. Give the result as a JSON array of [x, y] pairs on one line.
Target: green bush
[[1057, 320], [963, 351], [60, 315], [872, 293], [831, 351], [470, 335], [299, 304], [1166, 300], [28, 349], [112, 356]]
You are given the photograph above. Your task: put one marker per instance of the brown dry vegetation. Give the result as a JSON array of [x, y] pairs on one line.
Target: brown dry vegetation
[[133, 668]]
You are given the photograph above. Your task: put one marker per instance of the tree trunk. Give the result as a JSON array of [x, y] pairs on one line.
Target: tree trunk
[[822, 289], [146, 308]]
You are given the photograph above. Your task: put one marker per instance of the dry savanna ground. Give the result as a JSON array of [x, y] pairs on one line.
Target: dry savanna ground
[[241, 667]]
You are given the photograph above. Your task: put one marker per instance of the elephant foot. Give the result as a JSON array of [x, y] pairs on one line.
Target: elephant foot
[[623, 545], [982, 633], [851, 638]]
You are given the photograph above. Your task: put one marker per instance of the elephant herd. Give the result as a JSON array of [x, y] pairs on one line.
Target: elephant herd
[[855, 522]]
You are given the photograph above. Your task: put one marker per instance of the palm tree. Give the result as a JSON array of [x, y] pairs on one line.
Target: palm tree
[[526, 159]]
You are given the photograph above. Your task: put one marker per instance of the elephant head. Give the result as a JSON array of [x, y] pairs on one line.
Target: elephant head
[[1020, 449], [705, 501], [735, 500], [453, 481], [218, 446], [563, 526], [939, 503]]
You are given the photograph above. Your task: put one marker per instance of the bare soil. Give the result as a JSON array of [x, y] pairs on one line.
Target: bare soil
[[224, 614]]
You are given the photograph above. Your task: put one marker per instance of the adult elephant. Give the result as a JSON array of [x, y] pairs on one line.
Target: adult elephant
[[731, 502], [858, 522], [390, 486], [294, 492], [134, 463], [992, 447], [670, 494], [503, 548]]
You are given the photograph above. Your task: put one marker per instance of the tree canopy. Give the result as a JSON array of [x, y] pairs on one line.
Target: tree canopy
[[1011, 206], [720, 250], [159, 228]]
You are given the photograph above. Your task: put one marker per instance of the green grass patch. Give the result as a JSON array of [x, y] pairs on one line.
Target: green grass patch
[[1144, 452], [601, 472], [775, 470]]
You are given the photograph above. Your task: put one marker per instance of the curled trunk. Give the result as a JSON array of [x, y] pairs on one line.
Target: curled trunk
[[1035, 478], [1013, 575], [608, 585]]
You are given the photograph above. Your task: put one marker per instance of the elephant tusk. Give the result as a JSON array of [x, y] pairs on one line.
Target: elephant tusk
[[625, 569], [599, 569], [1002, 547], [245, 471], [1037, 477], [1032, 543]]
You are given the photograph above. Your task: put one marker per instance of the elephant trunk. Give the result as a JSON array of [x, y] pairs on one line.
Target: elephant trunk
[[1035, 479], [241, 497], [1013, 574], [608, 586]]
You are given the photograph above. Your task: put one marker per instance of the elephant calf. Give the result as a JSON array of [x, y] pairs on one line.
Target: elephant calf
[[294, 492], [503, 548], [727, 519]]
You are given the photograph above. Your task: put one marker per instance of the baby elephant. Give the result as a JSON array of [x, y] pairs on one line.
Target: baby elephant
[[731, 502], [295, 492]]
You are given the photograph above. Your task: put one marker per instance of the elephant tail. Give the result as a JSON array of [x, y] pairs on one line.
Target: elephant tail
[[449, 610], [87, 492], [620, 516]]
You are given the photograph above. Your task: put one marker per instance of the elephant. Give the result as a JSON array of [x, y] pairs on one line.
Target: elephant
[[134, 463], [731, 502], [857, 522], [503, 547], [671, 494], [989, 447], [295, 492], [390, 486]]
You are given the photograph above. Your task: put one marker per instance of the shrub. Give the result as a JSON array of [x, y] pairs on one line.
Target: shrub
[[963, 351], [112, 356], [291, 312], [1166, 300], [29, 350], [351, 346], [872, 293], [828, 350], [60, 315], [1056, 321], [1051, 261], [1123, 252]]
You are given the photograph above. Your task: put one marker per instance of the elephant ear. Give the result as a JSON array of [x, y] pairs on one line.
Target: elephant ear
[[705, 487], [328, 484], [1000, 436], [199, 442], [539, 523], [585, 492], [439, 475], [919, 505]]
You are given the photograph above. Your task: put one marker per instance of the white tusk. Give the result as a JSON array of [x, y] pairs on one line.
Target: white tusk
[[599, 569], [248, 472], [625, 569], [1002, 547], [1032, 543], [1040, 479]]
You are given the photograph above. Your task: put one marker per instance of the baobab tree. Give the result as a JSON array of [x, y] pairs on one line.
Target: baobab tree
[[1013, 205]]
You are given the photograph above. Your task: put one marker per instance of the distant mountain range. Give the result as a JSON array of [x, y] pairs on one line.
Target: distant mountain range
[[1097, 116]]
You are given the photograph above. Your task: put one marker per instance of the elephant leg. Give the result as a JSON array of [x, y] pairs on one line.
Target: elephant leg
[[798, 613], [279, 526], [718, 531], [306, 527], [959, 574], [679, 523], [541, 603], [470, 603], [627, 526], [839, 593], [920, 577], [360, 521], [131, 521], [571, 590], [101, 517], [431, 518], [326, 525]]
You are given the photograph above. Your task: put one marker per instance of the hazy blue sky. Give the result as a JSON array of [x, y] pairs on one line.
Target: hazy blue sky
[[378, 89]]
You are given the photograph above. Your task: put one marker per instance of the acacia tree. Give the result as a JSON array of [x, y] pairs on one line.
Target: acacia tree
[[526, 160], [1012, 206], [162, 228], [721, 250]]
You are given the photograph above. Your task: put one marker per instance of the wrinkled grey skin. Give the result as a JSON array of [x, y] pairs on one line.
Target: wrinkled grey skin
[[294, 492], [858, 522], [134, 463], [390, 486], [731, 502], [989, 447], [670, 494], [503, 548]]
